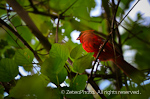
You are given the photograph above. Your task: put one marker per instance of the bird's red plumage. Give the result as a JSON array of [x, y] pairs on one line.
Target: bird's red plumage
[[92, 42]]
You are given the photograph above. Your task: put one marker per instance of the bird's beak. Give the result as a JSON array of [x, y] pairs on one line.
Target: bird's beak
[[78, 38]]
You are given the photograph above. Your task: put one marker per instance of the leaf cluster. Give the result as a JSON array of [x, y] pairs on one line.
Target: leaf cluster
[[29, 30]]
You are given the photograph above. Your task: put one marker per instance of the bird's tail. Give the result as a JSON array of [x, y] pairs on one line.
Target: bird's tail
[[136, 75]]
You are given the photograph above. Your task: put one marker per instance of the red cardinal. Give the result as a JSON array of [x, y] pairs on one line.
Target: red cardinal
[[92, 42]]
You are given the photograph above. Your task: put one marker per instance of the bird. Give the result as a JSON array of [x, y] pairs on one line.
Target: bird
[[92, 42]]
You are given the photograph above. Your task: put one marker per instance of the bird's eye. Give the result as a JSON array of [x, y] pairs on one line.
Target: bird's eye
[[80, 34]]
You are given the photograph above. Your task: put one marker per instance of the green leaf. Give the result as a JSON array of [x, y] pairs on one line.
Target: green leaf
[[16, 21], [40, 22], [53, 94], [8, 70], [61, 4], [54, 75], [81, 8], [83, 63], [46, 26], [25, 33], [58, 78], [77, 85], [24, 57], [3, 44], [92, 23], [53, 67], [9, 53], [2, 11], [59, 50], [104, 27], [33, 87], [23, 2], [139, 41], [79, 82], [76, 52], [68, 27], [11, 39]]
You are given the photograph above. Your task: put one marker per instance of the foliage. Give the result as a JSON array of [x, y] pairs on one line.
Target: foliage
[[36, 35]]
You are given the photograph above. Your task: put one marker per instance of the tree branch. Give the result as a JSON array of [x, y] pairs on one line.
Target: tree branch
[[5, 25], [107, 13], [97, 89], [25, 17]]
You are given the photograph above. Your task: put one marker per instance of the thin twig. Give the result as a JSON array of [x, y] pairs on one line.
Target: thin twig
[[115, 9], [102, 46], [107, 15], [10, 21], [98, 54], [68, 7], [11, 36], [32, 5], [113, 24], [118, 34], [135, 35], [96, 68], [105, 76], [128, 13]]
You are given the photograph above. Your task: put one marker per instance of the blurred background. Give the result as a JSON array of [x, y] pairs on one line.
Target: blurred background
[[61, 21]]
